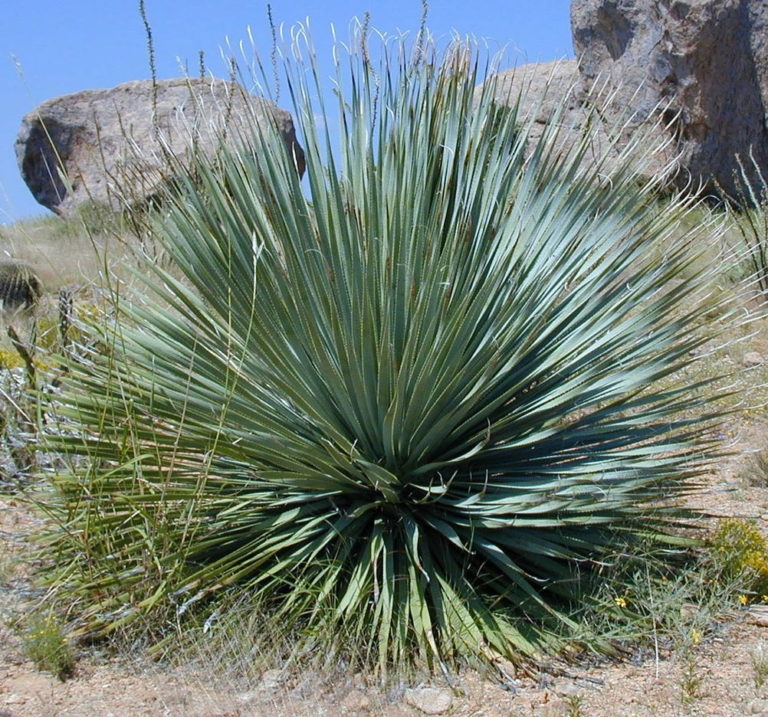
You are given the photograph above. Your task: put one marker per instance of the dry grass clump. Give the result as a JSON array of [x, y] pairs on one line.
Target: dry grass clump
[[70, 252]]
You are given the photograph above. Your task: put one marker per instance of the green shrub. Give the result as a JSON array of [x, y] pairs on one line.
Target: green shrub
[[9, 359], [742, 552], [47, 646], [412, 406]]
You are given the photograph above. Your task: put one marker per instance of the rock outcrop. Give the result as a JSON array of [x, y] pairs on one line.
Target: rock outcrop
[[551, 94], [112, 144], [689, 76], [703, 63]]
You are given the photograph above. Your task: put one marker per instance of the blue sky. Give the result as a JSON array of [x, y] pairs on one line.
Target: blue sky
[[50, 48]]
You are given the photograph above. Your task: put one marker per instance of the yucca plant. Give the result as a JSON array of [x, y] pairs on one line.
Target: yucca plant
[[409, 407]]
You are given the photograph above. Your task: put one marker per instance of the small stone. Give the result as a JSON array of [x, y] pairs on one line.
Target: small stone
[[758, 615], [356, 701], [757, 707], [430, 700], [555, 707], [688, 610], [14, 699], [246, 697], [567, 689], [753, 358], [270, 680]]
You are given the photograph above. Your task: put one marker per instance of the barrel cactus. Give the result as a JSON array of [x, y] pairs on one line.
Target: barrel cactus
[[20, 288]]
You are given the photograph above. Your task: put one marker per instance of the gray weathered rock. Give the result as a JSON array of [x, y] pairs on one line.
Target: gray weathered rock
[[111, 148], [758, 707], [688, 77], [758, 615], [430, 700], [355, 701], [551, 93], [704, 61], [540, 89]]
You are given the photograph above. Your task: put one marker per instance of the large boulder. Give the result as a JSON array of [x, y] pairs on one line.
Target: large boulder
[[549, 97], [702, 64], [113, 145]]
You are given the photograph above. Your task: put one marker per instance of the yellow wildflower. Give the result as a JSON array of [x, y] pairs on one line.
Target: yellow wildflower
[[695, 636]]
